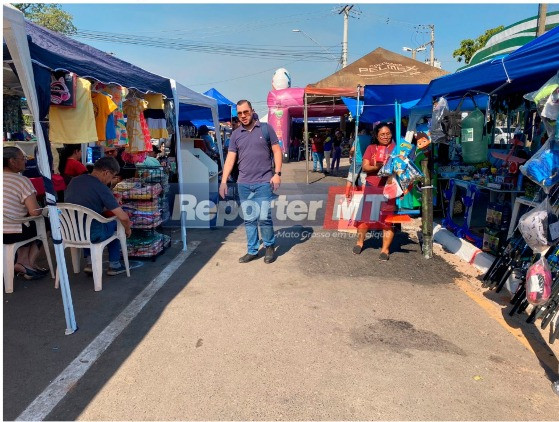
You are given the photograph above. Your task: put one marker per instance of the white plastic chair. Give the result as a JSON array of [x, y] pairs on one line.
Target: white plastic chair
[[75, 224], [10, 250]]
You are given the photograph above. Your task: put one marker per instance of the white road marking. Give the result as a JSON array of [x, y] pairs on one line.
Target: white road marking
[[45, 402]]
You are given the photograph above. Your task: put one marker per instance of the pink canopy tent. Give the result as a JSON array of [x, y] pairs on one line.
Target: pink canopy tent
[[289, 103]]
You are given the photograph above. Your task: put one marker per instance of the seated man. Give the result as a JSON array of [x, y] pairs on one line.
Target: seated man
[[91, 191]]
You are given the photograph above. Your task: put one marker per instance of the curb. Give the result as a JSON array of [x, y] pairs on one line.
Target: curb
[[462, 248]]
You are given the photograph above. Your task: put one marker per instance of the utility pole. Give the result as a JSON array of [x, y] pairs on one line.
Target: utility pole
[[345, 10], [542, 13], [432, 27], [427, 206]]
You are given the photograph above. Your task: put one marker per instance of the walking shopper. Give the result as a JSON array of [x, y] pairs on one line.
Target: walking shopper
[[327, 151], [337, 142], [317, 146], [255, 148], [374, 158]]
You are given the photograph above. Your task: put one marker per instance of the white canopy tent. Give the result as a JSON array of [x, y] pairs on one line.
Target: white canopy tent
[[184, 95], [15, 37]]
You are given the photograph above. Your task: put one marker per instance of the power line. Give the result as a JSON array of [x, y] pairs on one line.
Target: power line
[[245, 76], [302, 53]]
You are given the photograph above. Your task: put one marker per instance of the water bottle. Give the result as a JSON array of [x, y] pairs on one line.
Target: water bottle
[[519, 181]]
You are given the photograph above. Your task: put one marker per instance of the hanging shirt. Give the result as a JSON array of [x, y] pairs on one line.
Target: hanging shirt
[[102, 107], [74, 125], [118, 93], [110, 130], [155, 101], [155, 116]]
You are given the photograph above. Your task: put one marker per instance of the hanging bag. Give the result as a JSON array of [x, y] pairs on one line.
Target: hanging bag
[[539, 227], [63, 89], [538, 282]]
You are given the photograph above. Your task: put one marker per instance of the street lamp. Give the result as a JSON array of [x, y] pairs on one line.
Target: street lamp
[[413, 50], [314, 41]]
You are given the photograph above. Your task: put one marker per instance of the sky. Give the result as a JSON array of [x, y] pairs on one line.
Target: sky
[[242, 28]]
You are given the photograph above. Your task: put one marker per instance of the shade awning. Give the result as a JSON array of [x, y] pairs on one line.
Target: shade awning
[[57, 51]]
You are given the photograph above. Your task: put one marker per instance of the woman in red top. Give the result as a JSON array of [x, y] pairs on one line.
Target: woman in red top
[[317, 148], [374, 158], [69, 165]]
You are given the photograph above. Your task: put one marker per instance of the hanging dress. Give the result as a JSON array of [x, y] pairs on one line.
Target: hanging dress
[[134, 108]]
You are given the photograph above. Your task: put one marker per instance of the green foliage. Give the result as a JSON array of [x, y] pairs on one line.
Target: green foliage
[[49, 15], [468, 46]]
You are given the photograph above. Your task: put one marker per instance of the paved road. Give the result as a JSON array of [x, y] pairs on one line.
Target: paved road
[[320, 334]]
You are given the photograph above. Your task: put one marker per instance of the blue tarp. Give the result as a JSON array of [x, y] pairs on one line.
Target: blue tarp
[[202, 115], [378, 101], [526, 69], [57, 51]]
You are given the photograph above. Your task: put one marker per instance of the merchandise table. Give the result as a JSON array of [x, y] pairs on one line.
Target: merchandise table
[[465, 184]]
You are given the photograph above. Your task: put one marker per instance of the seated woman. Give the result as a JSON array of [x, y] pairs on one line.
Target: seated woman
[[373, 159], [20, 201], [69, 165]]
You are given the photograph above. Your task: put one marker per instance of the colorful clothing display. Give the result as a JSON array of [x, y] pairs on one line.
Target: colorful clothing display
[[74, 125], [133, 108], [103, 106]]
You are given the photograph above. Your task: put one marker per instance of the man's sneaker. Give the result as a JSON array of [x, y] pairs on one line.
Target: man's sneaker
[[116, 271], [87, 269], [269, 257], [247, 258]]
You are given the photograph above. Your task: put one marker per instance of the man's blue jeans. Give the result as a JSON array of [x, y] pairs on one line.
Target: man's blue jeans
[[255, 205], [102, 231], [317, 158]]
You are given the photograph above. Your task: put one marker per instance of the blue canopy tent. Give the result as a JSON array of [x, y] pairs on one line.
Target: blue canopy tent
[[520, 71], [378, 101], [56, 51], [199, 116]]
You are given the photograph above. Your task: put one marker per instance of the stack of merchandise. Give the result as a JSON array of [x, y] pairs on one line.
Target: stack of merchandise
[[147, 244], [144, 199]]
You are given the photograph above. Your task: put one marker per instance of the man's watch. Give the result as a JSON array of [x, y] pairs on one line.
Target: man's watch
[[278, 173]]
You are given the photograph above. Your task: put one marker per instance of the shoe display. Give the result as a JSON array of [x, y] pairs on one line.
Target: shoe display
[[270, 256], [115, 271], [247, 258]]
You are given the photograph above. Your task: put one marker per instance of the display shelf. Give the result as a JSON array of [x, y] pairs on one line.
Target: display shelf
[[144, 199]]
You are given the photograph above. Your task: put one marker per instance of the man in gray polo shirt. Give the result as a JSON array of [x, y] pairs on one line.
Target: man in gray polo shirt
[[257, 180]]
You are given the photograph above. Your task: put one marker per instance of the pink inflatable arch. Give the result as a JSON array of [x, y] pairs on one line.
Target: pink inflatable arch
[[285, 104]]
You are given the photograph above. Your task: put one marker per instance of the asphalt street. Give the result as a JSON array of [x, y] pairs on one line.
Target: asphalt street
[[321, 334]]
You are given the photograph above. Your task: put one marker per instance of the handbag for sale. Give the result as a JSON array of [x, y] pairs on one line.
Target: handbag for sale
[[63, 89], [392, 188]]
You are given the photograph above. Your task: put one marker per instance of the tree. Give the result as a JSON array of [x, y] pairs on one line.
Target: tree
[[50, 16], [468, 46]]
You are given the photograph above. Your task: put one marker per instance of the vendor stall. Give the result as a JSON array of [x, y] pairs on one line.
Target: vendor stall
[[68, 80]]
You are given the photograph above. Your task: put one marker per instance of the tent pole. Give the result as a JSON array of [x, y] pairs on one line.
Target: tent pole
[[14, 30], [179, 162], [306, 134]]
